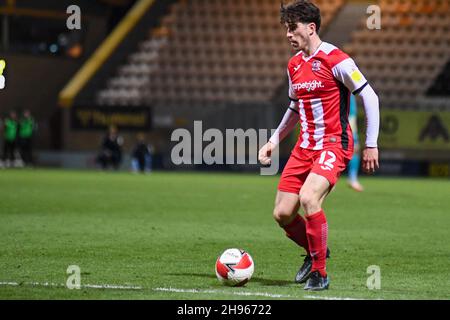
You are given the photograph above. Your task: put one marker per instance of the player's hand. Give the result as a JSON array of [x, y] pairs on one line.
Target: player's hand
[[370, 160], [265, 153]]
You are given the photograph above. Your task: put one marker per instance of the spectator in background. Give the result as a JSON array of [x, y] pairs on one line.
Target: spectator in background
[[142, 156], [27, 127], [111, 150], [353, 166], [10, 127]]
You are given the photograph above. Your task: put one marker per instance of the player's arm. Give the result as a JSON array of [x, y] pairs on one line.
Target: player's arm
[[348, 73], [371, 108], [290, 119]]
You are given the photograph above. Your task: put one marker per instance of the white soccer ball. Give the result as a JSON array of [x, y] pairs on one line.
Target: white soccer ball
[[234, 267]]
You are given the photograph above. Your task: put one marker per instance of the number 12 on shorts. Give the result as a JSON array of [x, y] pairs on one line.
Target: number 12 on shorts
[[327, 164]]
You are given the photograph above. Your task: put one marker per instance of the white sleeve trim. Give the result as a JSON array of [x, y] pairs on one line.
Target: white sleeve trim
[[372, 111], [290, 119]]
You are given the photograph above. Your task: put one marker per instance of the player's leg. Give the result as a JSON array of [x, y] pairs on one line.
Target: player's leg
[[9, 153], [102, 159], [134, 165], [286, 215], [312, 195], [148, 163], [28, 153], [328, 165], [5, 150], [23, 150], [287, 203], [304, 271], [115, 162]]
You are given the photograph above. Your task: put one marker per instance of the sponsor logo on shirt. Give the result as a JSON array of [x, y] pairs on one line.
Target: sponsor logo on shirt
[[308, 85]]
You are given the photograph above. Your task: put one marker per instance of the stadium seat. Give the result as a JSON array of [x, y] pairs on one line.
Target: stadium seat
[[412, 48], [209, 51]]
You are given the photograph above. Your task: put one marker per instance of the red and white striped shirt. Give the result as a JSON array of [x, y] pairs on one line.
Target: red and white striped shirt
[[321, 86]]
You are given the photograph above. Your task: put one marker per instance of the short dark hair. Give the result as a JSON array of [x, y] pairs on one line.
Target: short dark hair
[[302, 11]]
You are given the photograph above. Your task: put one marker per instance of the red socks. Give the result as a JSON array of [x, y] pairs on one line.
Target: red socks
[[317, 234], [312, 236], [296, 231]]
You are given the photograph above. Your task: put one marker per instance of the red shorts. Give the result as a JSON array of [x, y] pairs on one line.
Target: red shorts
[[328, 163]]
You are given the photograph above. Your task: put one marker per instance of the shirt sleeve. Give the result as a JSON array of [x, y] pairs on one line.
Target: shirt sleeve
[[348, 73], [372, 109], [292, 94], [290, 119]]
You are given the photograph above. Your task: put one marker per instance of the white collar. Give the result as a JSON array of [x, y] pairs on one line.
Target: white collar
[[315, 52]]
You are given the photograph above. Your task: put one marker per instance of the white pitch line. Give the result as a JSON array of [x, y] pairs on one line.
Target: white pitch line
[[260, 294], [111, 286], [329, 298], [176, 290], [83, 286], [9, 284]]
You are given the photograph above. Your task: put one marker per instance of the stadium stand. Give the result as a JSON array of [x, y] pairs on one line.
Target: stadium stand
[[404, 58], [179, 62], [441, 86]]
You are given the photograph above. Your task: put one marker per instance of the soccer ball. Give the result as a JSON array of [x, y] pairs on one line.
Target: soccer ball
[[234, 267]]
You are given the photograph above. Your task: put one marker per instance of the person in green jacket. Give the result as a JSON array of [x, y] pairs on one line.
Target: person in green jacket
[[27, 127], [10, 127]]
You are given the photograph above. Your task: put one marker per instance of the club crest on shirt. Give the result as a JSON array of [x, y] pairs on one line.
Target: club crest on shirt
[[316, 64]]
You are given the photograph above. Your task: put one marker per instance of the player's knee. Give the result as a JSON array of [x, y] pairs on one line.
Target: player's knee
[[281, 215], [309, 202]]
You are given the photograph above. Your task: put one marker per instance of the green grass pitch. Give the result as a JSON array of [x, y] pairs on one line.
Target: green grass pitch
[[163, 232]]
